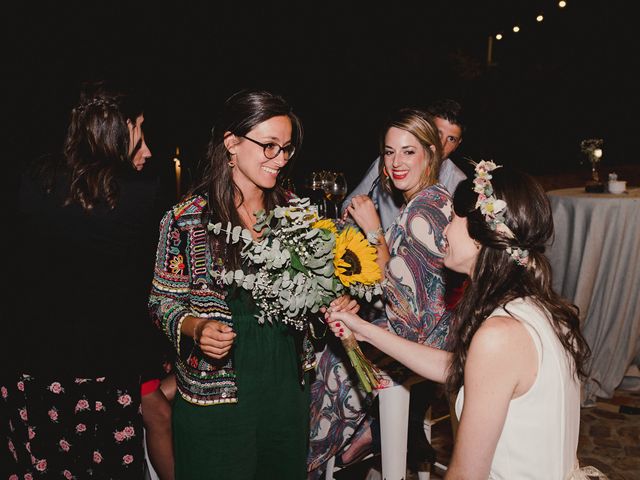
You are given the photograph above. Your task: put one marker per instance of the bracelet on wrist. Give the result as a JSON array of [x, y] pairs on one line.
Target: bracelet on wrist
[[373, 237]]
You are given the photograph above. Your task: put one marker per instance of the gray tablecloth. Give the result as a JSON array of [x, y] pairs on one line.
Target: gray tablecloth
[[596, 265]]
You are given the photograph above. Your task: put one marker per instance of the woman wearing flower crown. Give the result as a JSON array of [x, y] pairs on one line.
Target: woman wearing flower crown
[[410, 255], [243, 405], [518, 352]]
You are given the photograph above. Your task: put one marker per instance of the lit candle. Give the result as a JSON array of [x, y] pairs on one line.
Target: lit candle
[[178, 169], [597, 153]]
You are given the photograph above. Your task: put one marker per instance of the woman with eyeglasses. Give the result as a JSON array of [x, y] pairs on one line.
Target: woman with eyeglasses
[[242, 409]]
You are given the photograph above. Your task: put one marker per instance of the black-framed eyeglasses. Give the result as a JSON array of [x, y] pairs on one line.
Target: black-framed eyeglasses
[[272, 149]]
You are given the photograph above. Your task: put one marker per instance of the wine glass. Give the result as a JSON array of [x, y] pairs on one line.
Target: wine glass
[[314, 182], [317, 192], [336, 190]]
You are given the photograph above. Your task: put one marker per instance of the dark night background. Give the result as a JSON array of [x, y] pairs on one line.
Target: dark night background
[[344, 66]]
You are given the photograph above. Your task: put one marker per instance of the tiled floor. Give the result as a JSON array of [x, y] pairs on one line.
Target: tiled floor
[[609, 440]]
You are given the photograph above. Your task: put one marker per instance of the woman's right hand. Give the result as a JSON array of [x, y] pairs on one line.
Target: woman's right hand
[[344, 324], [214, 338], [364, 213]]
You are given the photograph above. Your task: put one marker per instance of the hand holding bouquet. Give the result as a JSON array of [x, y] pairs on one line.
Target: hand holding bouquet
[[300, 264]]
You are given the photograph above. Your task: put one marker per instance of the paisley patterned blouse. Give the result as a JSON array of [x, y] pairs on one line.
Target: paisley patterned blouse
[[414, 291], [414, 287]]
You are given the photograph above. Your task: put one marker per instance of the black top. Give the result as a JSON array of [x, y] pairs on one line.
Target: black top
[[83, 279]]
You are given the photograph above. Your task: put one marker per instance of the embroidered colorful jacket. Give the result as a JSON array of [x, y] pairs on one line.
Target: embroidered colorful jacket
[[186, 283]]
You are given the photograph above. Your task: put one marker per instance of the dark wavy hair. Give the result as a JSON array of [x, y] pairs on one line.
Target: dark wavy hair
[[450, 110], [96, 146], [242, 112], [497, 279]]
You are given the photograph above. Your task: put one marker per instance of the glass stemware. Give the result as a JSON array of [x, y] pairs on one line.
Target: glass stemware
[[316, 192], [336, 190]]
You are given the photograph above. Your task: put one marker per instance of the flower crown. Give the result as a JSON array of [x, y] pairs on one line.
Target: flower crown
[[493, 208]]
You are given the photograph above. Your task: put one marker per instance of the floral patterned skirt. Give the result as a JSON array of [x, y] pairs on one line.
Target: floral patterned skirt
[[72, 428]]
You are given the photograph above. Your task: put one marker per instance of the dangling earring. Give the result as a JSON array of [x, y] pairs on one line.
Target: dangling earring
[[477, 244], [384, 171], [231, 163]]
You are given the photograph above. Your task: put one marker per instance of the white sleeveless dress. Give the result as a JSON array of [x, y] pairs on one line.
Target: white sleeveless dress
[[539, 439]]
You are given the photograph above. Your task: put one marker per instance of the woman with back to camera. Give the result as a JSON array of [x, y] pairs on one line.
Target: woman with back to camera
[[242, 409], [84, 224], [518, 352]]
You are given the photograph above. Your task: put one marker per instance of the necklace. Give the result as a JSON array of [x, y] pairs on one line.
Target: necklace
[[251, 220]]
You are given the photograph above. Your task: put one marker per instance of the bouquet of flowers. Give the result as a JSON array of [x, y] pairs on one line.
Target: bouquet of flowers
[[300, 264]]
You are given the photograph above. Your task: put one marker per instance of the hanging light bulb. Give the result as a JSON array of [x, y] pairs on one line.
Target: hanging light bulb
[[516, 29], [499, 36], [539, 18], [562, 4]]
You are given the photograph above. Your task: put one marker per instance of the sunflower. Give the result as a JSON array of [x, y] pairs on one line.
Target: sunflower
[[326, 224], [355, 259]]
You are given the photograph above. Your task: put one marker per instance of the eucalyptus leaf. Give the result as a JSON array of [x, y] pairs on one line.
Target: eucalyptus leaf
[[248, 282], [311, 233], [238, 275]]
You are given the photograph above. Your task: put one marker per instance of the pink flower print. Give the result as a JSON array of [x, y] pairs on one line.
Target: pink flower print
[[53, 414], [27, 446], [99, 406], [124, 400], [119, 436], [13, 477], [97, 457], [23, 414], [12, 449], [82, 405], [41, 465], [127, 459], [11, 426], [67, 474], [100, 379], [20, 385], [33, 459], [81, 427], [64, 445], [129, 431], [28, 476], [80, 381], [32, 432], [4, 392], [55, 387]]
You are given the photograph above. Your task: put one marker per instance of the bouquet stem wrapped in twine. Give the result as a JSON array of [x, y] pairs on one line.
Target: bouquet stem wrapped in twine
[[368, 373]]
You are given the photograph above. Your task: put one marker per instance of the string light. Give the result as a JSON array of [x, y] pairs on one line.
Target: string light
[[540, 17]]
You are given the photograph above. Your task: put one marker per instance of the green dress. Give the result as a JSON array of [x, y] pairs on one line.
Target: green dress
[[265, 434]]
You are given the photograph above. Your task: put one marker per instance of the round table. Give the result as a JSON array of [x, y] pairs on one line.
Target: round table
[[595, 257]]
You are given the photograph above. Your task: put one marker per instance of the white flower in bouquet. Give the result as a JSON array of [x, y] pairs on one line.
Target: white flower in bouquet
[[301, 263]]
